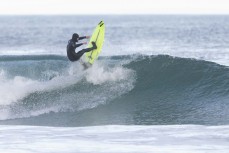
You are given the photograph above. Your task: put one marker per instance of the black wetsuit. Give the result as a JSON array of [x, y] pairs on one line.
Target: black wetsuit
[[72, 55]]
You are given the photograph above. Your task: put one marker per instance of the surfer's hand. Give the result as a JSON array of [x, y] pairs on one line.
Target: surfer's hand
[[88, 37], [85, 43]]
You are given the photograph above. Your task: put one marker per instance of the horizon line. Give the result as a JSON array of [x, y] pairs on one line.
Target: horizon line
[[113, 14]]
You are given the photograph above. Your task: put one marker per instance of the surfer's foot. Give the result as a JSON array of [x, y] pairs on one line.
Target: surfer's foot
[[94, 45]]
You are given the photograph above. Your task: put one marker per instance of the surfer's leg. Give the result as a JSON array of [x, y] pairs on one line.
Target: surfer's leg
[[81, 52], [90, 49], [94, 45], [87, 50]]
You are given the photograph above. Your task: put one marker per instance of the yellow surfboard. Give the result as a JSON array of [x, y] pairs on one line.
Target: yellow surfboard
[[98, 38]]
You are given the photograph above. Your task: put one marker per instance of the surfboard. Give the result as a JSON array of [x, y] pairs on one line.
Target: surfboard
[[98, 37]]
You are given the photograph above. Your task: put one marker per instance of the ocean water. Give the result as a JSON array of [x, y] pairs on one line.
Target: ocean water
[[161, 85]]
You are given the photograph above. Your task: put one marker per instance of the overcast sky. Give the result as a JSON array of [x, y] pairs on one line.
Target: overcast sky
[[18, 7]]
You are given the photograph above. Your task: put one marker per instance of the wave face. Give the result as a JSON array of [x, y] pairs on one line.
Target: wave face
[[137, 89]]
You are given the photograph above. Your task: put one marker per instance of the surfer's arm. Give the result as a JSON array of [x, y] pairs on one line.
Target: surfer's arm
[[78, 45], [84, 37]]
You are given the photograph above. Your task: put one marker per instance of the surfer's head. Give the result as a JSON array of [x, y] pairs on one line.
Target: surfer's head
[[75, 37]]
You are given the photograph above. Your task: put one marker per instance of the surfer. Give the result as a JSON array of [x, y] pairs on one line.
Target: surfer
[[72, 55]]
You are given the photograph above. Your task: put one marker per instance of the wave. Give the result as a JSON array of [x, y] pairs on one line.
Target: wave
[[116, 90], [166, 73]]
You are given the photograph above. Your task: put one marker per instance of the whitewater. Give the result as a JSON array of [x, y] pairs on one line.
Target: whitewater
[[161, 84]]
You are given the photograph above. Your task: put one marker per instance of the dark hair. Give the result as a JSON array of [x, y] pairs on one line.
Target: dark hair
[[75, 37]]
